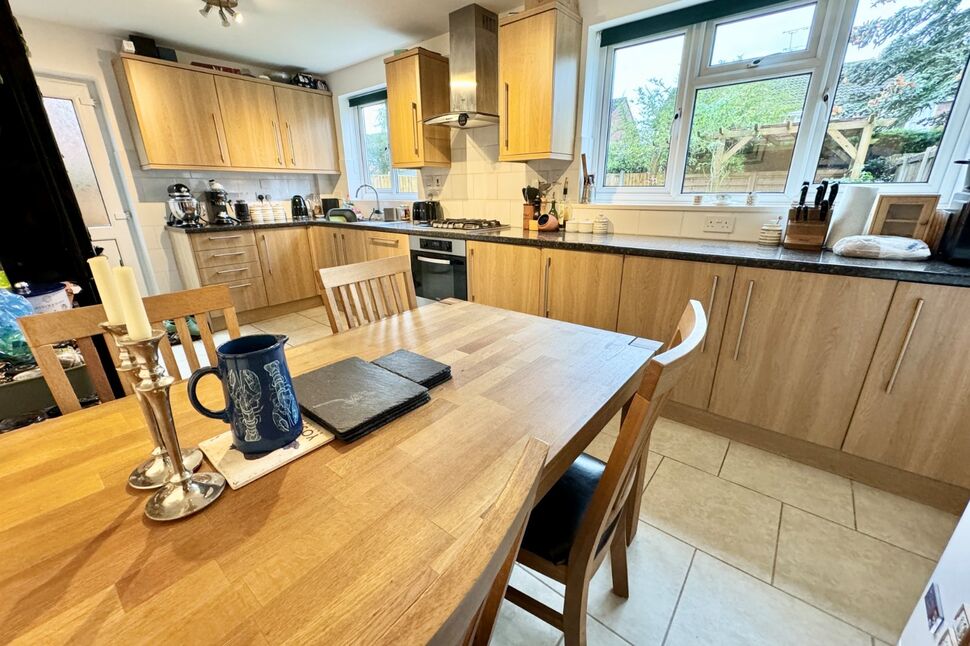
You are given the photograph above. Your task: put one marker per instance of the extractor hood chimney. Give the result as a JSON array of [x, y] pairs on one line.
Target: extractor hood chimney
[[473, 69]]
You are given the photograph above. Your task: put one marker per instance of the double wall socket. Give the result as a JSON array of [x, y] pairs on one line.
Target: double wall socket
[[719, 224]]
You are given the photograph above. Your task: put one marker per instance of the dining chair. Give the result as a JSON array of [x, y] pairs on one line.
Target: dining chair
[[460, 606], [81, 324], [367, 292], [589, 508]]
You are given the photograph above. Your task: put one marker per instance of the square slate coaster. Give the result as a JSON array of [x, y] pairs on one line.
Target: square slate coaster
[[419, 369]]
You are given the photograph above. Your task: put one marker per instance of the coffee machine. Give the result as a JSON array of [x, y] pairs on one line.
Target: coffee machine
[[183, 209], [218, 205]]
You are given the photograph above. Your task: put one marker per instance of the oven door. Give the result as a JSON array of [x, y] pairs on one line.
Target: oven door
[[438, 275]]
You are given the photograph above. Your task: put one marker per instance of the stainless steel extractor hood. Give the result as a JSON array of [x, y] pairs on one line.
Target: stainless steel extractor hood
[[473, 69]]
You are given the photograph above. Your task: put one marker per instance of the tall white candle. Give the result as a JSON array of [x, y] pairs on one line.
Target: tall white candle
[[139, 328], [106, 288]]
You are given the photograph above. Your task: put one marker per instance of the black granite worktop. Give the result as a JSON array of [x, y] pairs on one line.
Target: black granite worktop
[[747, 254]]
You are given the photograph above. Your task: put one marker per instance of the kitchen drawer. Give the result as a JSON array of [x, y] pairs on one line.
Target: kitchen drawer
[[231, 256], [386, 245], [229, 273], [207, 241], [248, 294]]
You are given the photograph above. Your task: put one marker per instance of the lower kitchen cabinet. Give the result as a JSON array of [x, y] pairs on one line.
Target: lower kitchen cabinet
[[653, 297], [386, 245], [796, 349], [325, 249], [581, 287], [504, 275], [913, 413], [247, 294], [288, 271]]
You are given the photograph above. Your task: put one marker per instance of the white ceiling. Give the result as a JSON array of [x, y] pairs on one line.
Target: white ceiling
[[316, 35]]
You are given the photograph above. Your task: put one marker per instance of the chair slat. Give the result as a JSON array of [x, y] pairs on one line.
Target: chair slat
[[366, 300], [202, 320], [337, 321], [95, 369], [57, 381], [396, 290], [185, 336], [232, 322], [168, 358], [348, 306], [379, 302]]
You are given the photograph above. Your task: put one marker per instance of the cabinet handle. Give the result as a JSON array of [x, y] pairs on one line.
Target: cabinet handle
[[231, 271], [710, 308], [507, 116], [224, 237], [336, 251], [240, 286], [385, 242], [744, 320], [269, 259], [414, 127], [546, 294], [215, 127], [343, 247], [902, 351], [225, 255], [289, 134], [279, 144]]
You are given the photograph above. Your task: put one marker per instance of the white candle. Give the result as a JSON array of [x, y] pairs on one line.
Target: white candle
[[139, 328], [106, 288]]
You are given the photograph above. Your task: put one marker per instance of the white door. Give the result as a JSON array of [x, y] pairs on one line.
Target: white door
[[74, 117]]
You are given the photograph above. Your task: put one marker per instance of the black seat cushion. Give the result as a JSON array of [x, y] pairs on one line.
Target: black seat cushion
[[555, 520]]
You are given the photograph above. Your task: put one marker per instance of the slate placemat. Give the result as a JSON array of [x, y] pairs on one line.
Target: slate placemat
[[419, 369]]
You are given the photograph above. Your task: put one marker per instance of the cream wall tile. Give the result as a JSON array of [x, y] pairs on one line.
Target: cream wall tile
[[623, 222], [660, 223], [721, 605], [690, 445], [902, 522], [747, 226], [734, 524], [811, 489], [866, 582], [474, 209]]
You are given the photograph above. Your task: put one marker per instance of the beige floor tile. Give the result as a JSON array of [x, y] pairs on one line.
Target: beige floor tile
[[724, 519], [802, 486], [689, 445], [248, 329], [516, 627], [308, 334], [316, 314], [902, 522], [657, 565], [286, 324], [724, 606], [864, 581]]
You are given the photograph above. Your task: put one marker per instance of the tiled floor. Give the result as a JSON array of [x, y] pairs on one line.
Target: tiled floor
[[742, 547], [736, 546]]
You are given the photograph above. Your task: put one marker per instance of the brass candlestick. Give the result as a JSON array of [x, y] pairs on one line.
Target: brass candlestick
[[184, 493], [157, 469]]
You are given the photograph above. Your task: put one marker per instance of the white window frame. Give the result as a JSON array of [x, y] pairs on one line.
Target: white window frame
[[360, 143], [823, 59]]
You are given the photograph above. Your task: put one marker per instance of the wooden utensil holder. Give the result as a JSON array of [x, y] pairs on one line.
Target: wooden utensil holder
[[807, 234]]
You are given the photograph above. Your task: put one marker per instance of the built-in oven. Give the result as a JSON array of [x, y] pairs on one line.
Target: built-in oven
[[438, 265]]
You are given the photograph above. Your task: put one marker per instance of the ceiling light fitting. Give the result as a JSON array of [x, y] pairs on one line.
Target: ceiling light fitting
[[227, 10]]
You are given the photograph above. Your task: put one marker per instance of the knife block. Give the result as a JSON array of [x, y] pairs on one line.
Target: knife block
[[806, 235]]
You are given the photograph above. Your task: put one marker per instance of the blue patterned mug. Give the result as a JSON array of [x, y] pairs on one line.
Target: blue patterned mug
[[261, 407]]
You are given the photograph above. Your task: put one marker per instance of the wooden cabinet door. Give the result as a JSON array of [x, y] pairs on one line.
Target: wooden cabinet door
[[653, 297], [581, 287], [385, 245], [251, 123], [309, 141], [178, 115], [325, 248], [526, 50], [913, 413], [403, 111], [353, 246], [796, 349], [288, 271], [504, 275]]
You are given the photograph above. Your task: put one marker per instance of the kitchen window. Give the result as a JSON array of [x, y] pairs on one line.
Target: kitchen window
[[374, 151], [859, 91]]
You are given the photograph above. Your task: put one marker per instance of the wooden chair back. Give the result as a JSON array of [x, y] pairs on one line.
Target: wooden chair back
[[81, 324], [367, 292], [609, 500], [461, 605]]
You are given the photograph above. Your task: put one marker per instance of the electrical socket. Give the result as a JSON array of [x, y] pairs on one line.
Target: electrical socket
[[719, 224]]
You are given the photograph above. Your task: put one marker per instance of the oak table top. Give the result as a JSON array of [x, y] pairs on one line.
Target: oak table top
[[331, 548]]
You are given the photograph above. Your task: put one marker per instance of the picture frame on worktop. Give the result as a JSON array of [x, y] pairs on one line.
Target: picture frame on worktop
[[934, 607], [961, 623]]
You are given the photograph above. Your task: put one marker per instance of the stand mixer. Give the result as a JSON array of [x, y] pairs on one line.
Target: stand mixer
[[183, 209]]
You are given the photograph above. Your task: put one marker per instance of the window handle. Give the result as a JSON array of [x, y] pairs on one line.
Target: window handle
[[674, 122]]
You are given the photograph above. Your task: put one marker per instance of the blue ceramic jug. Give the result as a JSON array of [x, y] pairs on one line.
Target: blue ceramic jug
[[261, 407]]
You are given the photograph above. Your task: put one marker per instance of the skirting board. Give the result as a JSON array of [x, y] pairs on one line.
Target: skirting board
[[948, 497]]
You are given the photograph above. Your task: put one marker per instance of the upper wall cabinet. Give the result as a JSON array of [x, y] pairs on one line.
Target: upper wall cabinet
[[538, 58], [417, 88], [185, 118]]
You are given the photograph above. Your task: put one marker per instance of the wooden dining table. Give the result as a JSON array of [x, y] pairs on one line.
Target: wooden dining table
[[331, 548]]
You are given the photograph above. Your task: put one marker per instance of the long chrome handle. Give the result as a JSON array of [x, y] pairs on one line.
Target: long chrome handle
[[546, 295], [336, 251], [279, 144], [223, 237], [385, 241], [289, 133], [507, 116], [710, 308], [343, 247], [902, 351], [215, 128], [744, 320], [436, 261], [225, 255], [269, 259], [231, 271], [414, 126], [240, 286]]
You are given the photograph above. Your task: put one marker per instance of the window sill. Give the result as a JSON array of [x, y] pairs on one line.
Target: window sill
[[770, 207]]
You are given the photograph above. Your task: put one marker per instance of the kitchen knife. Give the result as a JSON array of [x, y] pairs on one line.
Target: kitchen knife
[[833, 191], [804, 194], [819, 194], [823, 210]]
